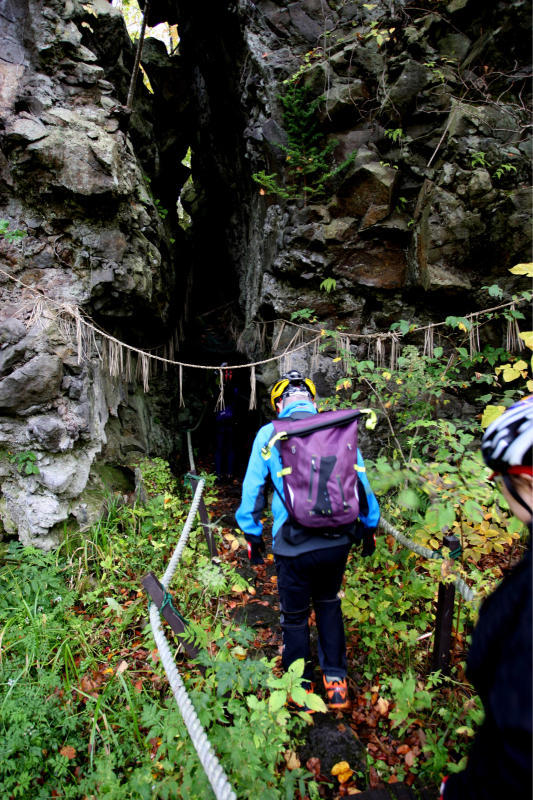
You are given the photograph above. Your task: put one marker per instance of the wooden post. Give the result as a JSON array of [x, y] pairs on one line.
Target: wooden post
[[157, 592], [204, 519], [444, 617]]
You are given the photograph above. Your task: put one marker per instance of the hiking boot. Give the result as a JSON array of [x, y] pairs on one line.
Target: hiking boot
[[336, 693], [309, 688]]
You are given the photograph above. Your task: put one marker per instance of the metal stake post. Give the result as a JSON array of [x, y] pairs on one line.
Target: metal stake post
[[444, 617]]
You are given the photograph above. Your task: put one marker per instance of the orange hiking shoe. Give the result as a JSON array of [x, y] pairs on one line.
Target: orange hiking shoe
[[309, 688], [336, 693]]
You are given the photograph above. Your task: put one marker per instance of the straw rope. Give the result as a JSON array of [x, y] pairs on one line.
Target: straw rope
[[112, 349]]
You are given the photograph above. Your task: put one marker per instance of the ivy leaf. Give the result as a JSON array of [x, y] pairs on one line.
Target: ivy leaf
[[523, 269], [297, 667], [490, 414], [495, 290], [299, 696], [315, 703], [112, 603], [276, 701], [408, 498], [527, 338], [440, 516], [510, 374], [473, 511]]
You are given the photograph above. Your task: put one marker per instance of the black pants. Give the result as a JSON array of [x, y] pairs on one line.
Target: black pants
[[314, 576]]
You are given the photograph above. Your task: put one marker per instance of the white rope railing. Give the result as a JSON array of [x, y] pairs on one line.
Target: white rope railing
[[464, 590], [214, 771]]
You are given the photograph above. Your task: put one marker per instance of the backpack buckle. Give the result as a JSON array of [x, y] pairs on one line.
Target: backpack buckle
[[266, 451]]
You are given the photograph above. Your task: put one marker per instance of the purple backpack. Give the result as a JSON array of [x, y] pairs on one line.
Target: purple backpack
[[319, 460]]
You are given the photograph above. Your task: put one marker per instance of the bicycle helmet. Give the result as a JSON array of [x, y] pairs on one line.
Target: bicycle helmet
[[292, 382], [507, 445], [508, 441]]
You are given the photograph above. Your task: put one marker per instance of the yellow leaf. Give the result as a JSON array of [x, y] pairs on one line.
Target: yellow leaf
[[340, 766], [291, 759], [382, 706], [336, 359], [529, 385], [520, 365], [239, 653], [386, 375], [510, 374], [237, 589], [462, 326], [490, 414], [527, 338], [523, 269]]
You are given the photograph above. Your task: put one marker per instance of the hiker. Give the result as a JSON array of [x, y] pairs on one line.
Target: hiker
[[225, 423], [310, 561], [499, 660]]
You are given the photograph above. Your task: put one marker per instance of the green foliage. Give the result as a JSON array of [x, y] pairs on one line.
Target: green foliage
[[309, 163], [157, 475], [289, 687], [380, 35], [10, 235], [328, 285], [394, 134], [163, 212], [503, 169], [478, 159], [86, 711], [304, 314], [430, 469], [25, 462]]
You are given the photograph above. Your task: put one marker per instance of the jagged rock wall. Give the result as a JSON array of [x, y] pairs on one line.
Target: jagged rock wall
[[426, 105], [432, 106], [81, 179]]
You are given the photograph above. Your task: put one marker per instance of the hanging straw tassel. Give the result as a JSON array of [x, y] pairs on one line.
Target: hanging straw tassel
[[314, 356], [429, 343], [181, 401], [253, 391], [512, 337], [379, 352], [220, 404], [394, 350], [128, 368], [145, 369], [346, 354], [473, 340], [275, 343]]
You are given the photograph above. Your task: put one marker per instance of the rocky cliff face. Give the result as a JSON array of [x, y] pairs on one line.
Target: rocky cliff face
[[381, 147], [73, 181], [428, 104]]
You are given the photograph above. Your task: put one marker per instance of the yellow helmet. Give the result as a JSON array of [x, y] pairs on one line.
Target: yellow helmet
[[290, 383]]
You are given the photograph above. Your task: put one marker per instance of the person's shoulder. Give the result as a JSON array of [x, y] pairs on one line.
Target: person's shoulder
[[264, 433]]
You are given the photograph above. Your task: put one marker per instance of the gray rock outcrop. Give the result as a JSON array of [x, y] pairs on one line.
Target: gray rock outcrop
[[73, 181]]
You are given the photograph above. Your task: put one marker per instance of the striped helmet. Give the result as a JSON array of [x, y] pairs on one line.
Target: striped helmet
[[508, 441]]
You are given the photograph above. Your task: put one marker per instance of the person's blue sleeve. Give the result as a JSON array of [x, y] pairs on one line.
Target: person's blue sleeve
[[253, 503], [369, 512]]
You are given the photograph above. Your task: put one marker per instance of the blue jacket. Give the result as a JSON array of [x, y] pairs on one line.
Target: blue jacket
[[253, 501]]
